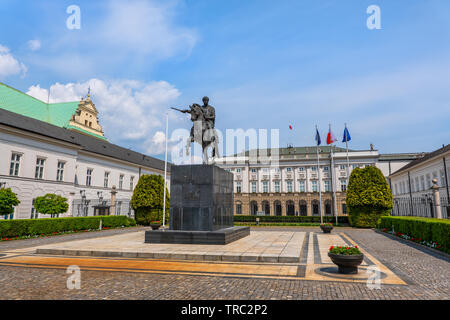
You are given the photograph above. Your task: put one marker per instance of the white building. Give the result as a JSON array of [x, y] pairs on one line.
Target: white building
[[37, 157], [290, 184], [415, 179]]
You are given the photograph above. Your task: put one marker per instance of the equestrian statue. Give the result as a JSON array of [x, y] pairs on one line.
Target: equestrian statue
[[203, 129]]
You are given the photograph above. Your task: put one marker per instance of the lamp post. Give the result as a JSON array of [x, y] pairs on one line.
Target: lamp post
[[83, 202]]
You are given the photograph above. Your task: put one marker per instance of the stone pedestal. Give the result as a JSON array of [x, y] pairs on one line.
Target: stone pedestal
[[201, 207]]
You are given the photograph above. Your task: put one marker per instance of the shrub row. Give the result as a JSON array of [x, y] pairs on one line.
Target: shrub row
[[299, 219], [428, 229], [31, 227]]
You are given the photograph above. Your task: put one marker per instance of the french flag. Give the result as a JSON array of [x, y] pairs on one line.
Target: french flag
[[330, 137]]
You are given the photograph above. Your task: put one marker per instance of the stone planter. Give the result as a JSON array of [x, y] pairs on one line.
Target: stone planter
[[326, 229], [155, 226], [348, 264]]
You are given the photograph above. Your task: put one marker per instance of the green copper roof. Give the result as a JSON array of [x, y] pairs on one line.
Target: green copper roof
[[58, 114]]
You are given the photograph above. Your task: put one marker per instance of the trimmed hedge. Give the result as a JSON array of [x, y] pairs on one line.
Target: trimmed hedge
[[285, 219], [428, 229], [31, 227]]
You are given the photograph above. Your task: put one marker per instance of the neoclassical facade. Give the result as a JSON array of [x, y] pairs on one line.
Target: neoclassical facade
[[39, 157], [289, 184]]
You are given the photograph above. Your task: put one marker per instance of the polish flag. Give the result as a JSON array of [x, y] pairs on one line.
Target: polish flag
[[330, 137]]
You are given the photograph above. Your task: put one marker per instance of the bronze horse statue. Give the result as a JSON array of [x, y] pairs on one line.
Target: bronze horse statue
[[202, 131]]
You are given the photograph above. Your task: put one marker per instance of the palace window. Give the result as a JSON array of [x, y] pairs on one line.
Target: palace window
[[253, 185], [277, 186], [417, 183], [354, 166], [428, 181], [106, 179], [265, 186], [289, 186], [422, 182], [60, 171], [88, 177], [344, 208], [327, 185], [301, 186], [441, 172], [314, 186], [254, 170], [301, 169], [288, 169], [238, 170], [238, 208], [238, 187], [325, 168], [314, 168], [119, 208], [131, 182], [121, 182], [343, 184], [34, 213], [39, 172], [15, 163], [342, 167]]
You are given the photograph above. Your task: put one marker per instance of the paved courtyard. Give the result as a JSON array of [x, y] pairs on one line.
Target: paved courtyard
[[407, 272]]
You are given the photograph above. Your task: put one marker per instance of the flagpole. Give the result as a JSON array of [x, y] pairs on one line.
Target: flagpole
[[333, 179], [348, 162], [320, 189], [165, 173]]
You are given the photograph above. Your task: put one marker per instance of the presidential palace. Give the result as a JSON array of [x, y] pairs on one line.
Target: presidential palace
[[61, 148]]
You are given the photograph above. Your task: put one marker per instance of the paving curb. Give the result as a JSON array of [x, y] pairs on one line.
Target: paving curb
[[414, 244], [171, 256]]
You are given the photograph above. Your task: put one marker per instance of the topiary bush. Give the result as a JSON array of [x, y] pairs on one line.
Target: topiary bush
[[147, 199], [8, 200], [368, 197], [52, 204]]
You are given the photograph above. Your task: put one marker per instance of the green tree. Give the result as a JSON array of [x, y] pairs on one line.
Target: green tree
[[51, 204], [8, 200], [147, 200], [368, 197]]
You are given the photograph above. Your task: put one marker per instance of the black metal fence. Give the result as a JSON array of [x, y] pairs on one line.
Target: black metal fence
[[95, 207], [420, 207]]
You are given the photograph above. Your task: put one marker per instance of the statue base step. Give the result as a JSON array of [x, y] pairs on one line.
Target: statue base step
[[221, 236]]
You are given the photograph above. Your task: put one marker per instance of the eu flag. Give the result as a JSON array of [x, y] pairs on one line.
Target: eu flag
[[346, 137], [317, 137]]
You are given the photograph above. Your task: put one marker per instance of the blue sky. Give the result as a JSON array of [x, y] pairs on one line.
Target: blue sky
[[264, 64]]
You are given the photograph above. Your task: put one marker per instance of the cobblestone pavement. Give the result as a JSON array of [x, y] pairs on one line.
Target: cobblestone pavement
[[428, 277]]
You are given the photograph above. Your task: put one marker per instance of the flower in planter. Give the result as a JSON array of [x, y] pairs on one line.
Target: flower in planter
[[345, 250]]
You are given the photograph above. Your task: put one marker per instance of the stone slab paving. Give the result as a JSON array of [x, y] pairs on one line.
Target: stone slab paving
[[427, 277], [283, 247]]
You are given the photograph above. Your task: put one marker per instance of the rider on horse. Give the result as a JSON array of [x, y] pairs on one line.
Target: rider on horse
[[206, 114]]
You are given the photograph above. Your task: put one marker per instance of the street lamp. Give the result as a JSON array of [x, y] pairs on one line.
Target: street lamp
[[83, 202]]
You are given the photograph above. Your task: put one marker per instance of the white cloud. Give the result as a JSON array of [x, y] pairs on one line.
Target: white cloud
[[9, 65], [130, 111], [34, 45], [134, 35], [145, 27]]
